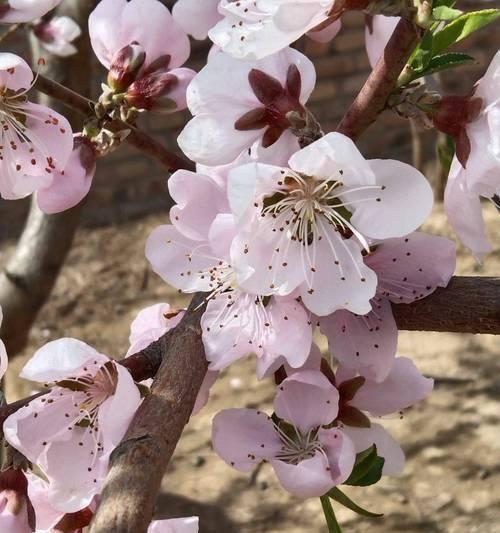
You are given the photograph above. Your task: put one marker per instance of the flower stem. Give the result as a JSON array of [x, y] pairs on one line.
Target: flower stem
[[331, 520]]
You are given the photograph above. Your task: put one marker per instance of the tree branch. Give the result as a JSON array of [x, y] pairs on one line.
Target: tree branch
[[139, 462], [136, 138], [372, 98]]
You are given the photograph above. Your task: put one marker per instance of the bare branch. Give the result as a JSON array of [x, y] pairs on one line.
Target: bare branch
[[137, 138], [372, 98]]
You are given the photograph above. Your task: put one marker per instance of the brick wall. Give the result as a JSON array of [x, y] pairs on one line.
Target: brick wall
[[128, 184]]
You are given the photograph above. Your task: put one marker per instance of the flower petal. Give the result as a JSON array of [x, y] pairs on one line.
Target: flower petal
[[244, 437], [364, 343], [307, 399], [403, 387]]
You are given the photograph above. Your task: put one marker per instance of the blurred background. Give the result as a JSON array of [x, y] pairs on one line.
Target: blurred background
[[452, 480]]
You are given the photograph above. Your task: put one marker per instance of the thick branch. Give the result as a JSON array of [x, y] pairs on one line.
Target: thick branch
[[467, 305], [372, 98], [136, 138], [138, 463]]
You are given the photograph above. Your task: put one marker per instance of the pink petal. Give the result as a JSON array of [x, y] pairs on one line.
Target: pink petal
[[307, 399], [331, 154], [28, 10], [146, 21], [244, 437], [193, 215], [204, 392], [180, 261], [364, 343], [326, 34], [116, 413], [403, 387], [59, 359], [15, 73], [175, 525], [387, 447], [178, 93], [309, 479], [412, 267], [10, 522], [377, 36], [38, 492], [340, 452], [196, 17], [464, 212], [71, 187], [390, 213]]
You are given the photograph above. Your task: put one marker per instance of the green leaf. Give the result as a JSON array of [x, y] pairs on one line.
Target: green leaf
[[367, 468], [439, 63], [462, 27], [331, 519], [337, 495], [446, 13], [422, 54]]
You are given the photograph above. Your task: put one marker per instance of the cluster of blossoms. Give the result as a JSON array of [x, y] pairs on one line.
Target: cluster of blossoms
[[288, 231]]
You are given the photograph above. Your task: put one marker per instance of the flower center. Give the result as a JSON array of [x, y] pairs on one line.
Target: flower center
[[297, 446]]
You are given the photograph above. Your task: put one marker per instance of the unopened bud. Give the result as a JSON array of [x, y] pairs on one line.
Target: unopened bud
[[151, 92], [125, 66]]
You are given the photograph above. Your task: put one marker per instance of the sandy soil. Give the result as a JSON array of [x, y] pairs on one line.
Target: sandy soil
[[452, 480]]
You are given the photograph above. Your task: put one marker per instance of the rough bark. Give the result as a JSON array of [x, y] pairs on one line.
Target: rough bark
[[372, 98], [139, 462]]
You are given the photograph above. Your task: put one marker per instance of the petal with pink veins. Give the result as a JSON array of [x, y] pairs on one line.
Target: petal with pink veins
[[403, 387], [244, 437], [59, 359], [364, 343], [387, 447], [307, 399], [386, 211], [412, 267]]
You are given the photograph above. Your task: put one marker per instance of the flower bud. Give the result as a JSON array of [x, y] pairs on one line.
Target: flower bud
[[16, 512], [151, 92], [125, 66]]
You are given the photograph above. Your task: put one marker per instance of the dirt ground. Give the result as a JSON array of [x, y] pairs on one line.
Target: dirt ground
[[452, 480]]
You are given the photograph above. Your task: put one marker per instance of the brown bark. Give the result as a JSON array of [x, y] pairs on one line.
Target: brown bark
[[139, 462], [372, 99]]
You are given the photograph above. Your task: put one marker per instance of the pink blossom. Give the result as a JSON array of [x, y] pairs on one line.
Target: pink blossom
[[36, 141], [16, 511], [57, 35], [15, 11], [379, 30], [71, 186], [175, 525], [481, 176], [249, 108], [403, 387], [3, 352], [70, 432], [304, 227], [142, 36], [196, 17], [194, 254], [256, 29], [152, 323], [407, 269], [307, 458]]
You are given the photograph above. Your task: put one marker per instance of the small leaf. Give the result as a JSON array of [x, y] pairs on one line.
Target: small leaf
[[462, 27], [367, 468], [440, 63], [337, 495], [446, 13], [422, 54], [331, 519]]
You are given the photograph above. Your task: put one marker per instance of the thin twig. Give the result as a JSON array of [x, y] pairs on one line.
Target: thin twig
[[137, 138]]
